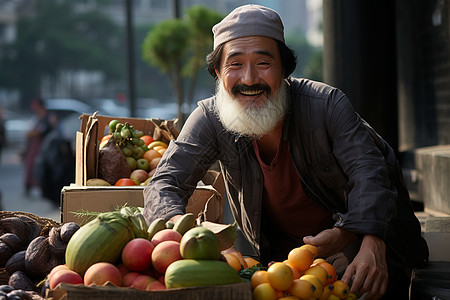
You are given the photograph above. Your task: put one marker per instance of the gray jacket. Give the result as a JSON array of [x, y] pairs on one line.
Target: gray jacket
[[343, 164]]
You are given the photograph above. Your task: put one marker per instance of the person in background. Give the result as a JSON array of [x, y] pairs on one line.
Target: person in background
[[42, 125], [299, 164], [3, 139]]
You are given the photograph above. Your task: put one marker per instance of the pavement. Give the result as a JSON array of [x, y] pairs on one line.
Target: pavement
[[12, 196]]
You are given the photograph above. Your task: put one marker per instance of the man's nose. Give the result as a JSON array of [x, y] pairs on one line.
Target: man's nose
[[249, 76]]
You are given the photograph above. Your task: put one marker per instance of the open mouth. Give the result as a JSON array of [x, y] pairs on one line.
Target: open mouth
[[251, 93], [253, 90]]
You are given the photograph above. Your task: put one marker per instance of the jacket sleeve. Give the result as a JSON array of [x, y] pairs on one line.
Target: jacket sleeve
[[366, 160], [183, 165]]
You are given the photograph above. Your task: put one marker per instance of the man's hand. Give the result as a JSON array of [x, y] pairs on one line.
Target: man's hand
[[369, 269], [330, 241]]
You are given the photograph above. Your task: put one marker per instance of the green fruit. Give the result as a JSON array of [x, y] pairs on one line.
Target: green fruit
[[138, 133], [190, 272], [131, 162], [170, 224], [186, 222], [127, 151], [157, 225], [137, 153], [119, 127], [113, 125], [200, 243]]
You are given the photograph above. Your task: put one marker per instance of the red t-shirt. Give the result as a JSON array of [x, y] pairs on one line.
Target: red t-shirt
[[285, 204]]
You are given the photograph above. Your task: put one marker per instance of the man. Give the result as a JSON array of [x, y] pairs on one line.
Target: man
[[300, 166]]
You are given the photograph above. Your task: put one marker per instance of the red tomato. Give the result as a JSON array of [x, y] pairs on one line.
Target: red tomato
[[124, 182]]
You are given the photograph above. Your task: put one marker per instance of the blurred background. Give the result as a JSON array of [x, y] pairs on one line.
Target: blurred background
[[101, 55]]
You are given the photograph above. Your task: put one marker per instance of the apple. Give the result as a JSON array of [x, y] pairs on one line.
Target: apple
[[131, 162], [64, 276], [137, 254], [127, 279], [139, 174], [143, 164], [164, 254], [166, 235], [101, 273], [155, 286], [154, 163], [141, 282]]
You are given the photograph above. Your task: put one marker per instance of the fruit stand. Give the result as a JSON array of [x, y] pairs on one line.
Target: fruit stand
[[104, 249]]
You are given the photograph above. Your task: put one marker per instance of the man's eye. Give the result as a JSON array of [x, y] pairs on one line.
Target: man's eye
[[235, 64]]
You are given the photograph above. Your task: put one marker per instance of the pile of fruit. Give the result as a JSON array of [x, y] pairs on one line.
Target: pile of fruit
[[118, 247], [141, 151], [301, 276]]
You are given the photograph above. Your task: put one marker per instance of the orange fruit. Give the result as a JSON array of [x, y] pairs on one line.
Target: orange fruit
[[289, 298], [280, 276], [264, 291], [147, 139], [151, 154], [317, 261], [340, 289], [319, 272], [300, 258], [317, 284], [332, 275], [326, 292], [311, 248], [125, 182], [106, 137], [302, 289], [238, 255], [295, 272], [250, 261], [259, 277], [233, 261]]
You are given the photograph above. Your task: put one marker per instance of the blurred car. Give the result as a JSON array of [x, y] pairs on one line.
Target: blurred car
[[109, 107], [147, 108]]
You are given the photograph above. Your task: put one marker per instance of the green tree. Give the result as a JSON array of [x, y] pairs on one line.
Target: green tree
[[201, 20], [166, 47], [179, 47], [55, 38]]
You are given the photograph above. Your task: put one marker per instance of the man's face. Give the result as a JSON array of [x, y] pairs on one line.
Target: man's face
[[250, 93], [251, 69]]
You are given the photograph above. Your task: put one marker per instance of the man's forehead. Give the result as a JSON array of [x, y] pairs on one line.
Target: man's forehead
[[250, 45]]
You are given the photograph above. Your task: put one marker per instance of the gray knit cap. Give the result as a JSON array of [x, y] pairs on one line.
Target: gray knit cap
[[249, 20]]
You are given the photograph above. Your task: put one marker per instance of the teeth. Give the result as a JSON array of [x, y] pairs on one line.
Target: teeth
[[251, 93]]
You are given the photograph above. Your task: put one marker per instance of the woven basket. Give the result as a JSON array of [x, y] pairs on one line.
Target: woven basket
[[45, 225]]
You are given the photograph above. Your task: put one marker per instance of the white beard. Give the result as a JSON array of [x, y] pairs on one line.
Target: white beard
[[250, 120]]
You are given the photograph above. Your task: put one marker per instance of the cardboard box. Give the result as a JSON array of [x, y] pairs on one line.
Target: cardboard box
[[94, 127], [205, 200], [238, 291]]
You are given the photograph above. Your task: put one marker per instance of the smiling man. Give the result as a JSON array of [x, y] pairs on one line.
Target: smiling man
[[300, 165]]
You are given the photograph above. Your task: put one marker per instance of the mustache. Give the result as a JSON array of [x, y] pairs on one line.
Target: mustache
[[238, 88]]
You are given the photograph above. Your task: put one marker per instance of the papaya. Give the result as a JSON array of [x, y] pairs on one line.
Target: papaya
[[191, 272], [200, 243], [102, 239]]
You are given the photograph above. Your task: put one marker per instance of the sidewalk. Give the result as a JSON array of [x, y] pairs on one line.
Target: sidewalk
[[12, 196]]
